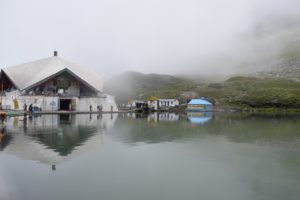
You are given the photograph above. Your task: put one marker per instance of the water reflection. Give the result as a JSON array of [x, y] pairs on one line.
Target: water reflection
[[4, 138], [146, 156], [165, 116], [199, 117], [54, 139], [154, 117], [263, 130]]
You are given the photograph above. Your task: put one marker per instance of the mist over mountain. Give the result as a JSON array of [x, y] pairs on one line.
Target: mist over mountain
[[277, 85], [260, 69], [136, 85], [283, 68], [273, 41]]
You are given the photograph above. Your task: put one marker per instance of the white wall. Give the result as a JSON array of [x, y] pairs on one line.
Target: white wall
[[52, 103], [46, 103], [83, 104], [168, 102]]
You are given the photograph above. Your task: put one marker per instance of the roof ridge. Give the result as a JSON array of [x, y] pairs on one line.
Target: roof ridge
[[28, 74]]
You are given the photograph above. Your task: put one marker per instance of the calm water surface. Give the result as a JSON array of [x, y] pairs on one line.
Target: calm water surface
[[167, 156]]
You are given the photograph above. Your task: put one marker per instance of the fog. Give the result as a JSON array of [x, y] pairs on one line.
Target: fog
[[157, 36]]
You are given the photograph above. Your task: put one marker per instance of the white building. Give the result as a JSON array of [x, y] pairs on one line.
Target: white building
[[53, 84], [136, 104], [163, 104]]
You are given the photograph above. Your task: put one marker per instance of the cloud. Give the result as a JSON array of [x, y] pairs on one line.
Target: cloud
[[161, 36]]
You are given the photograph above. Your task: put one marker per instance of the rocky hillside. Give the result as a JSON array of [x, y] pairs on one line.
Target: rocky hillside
[[283, 68]]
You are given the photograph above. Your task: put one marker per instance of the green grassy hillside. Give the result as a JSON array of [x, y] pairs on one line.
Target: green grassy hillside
[[254, 92], [236, 91]]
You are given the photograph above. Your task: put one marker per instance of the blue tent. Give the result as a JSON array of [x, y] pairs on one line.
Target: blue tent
[[201, 105]]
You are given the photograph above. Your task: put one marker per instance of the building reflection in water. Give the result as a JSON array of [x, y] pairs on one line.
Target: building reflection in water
[[199, 117], [54, 139], [165, 116], [193, 117]]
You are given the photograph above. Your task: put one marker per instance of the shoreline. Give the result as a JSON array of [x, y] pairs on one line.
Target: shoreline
[[12, 113]]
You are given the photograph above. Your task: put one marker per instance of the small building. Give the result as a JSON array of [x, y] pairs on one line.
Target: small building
[[136, 104], [163, 104], [53, 84], [199, 105]]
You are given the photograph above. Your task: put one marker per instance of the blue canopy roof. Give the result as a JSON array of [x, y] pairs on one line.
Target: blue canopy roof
[[199, 102]]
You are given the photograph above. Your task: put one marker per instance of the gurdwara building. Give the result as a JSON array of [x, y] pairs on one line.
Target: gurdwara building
[[53, 84]]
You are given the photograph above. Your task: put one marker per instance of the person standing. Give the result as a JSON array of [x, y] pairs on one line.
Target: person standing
[[30, 108], [25, 107]]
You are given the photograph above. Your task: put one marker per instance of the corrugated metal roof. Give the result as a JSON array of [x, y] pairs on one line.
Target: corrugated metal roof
[[199, 102], [26, 75]]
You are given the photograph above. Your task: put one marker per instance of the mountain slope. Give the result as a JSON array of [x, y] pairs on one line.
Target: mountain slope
[[236, 91], [288, 68], [135, 85]]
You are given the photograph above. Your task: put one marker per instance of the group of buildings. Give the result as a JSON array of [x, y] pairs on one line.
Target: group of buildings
[[54, 84], [200, 104], [157, 104]]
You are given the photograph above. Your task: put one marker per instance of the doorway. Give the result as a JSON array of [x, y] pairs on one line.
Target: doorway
[[64, 104]]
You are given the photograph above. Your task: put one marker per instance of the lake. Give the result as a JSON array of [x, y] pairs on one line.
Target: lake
[[160, 156]]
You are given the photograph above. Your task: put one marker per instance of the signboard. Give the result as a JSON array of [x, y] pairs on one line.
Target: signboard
[[196, 106], [16, 104]]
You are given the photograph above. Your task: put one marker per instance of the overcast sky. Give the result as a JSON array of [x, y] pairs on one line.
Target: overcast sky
[[151, 36]]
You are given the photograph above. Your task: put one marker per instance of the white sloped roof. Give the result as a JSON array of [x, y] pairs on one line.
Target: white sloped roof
[[26, 75]]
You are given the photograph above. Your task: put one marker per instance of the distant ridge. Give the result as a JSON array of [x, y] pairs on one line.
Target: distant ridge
[[136, 85], [238, 91]]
